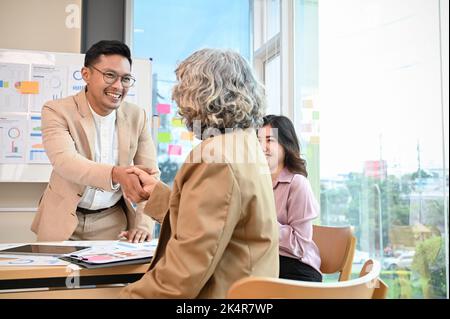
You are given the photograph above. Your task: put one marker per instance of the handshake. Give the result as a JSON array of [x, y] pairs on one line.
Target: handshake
[[137, 182]]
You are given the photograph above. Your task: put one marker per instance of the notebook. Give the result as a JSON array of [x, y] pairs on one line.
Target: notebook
[[116, 254]]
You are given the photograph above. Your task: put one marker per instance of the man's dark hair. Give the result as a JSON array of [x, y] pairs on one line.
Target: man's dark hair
[[106, 47]]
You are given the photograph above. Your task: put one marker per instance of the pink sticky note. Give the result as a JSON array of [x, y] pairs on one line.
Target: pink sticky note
[[306, 128], [174, 149], [163, 108]]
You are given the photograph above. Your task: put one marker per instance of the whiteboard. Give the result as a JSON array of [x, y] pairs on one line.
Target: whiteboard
[[21, 100]]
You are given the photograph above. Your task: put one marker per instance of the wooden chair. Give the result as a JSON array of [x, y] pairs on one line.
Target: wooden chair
[[337, 248], [368, 286]]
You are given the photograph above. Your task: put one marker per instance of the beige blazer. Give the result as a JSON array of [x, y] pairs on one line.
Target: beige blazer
[[68, 132], [220, 226]]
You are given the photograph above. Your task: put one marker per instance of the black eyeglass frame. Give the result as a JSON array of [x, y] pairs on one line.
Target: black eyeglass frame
[[110, 80]]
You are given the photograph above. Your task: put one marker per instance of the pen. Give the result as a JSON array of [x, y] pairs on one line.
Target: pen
[[78, 257]]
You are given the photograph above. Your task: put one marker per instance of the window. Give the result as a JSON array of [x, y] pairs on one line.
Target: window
[[169, 31], [273, 18], [305, 113], [366, 87], [272, 79], [383, 153], [267, 54]]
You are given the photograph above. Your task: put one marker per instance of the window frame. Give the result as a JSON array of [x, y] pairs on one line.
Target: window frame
[[281, 44]]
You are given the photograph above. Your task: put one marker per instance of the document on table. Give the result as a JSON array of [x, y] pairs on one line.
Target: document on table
[[105, 252], [114, 254]]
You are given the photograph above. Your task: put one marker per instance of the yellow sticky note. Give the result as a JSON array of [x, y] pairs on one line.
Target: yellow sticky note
[[309, 104], [29, 87], [314, 140], [187, 136], [177, 122]]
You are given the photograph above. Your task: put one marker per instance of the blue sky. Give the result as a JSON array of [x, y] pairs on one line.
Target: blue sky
[[170, 30]]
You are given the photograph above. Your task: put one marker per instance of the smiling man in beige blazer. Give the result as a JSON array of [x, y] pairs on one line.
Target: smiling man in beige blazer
[[90, 139]]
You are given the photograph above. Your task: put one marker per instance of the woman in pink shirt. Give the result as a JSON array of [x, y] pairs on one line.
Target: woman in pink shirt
[[294, 200]]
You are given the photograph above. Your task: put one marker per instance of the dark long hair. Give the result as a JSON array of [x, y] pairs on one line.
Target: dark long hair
[[287, 138]]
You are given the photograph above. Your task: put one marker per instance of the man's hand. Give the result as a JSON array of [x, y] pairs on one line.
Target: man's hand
[[130, 184], [135, 235], [146, 177], [151, 171]]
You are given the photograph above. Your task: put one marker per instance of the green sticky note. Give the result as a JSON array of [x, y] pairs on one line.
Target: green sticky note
[[315, 115], [164, 137]]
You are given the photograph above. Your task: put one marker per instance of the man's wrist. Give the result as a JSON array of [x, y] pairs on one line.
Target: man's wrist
[[114, 178]]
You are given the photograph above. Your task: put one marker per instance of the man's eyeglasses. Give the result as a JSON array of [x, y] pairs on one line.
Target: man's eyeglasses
[[111, 77]]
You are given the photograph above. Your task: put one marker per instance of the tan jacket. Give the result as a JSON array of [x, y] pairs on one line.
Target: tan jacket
[[68, 131], [221, 223]]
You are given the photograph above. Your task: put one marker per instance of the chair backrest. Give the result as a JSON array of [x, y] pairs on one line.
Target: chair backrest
[[381, 289], [337, 248], [368, 286]]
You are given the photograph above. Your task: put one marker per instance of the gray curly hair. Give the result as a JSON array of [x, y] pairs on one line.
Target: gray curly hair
[[218, 89]]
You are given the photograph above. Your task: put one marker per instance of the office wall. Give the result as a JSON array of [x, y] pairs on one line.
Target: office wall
[[48, 25], [102, 20], [22, 200]]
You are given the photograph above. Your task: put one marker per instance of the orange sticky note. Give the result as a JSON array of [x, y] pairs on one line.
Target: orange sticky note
[[29, 87], [187, 136]]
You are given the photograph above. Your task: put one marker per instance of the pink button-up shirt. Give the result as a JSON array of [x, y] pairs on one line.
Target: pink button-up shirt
[[296, 208]]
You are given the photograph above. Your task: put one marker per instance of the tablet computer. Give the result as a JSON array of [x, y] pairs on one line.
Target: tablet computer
[[45, 250]]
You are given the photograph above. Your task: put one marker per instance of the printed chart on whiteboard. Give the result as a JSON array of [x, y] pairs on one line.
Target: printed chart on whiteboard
[[14, 87], [52, 84], [36, 152], [13, 140]]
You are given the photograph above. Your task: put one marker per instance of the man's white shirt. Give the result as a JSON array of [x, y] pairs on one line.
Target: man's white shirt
[[107, 152]]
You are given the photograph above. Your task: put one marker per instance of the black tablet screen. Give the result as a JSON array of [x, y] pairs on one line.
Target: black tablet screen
[[35, 249]]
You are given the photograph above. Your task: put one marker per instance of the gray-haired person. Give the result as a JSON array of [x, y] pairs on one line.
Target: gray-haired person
[[219, 220]]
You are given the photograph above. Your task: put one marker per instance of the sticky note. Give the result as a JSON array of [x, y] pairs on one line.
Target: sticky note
[[163, 108], [177, 122], [314, 140], [174, 149], [187, 136], [315, 115], [29, 87], [308, 104], [306, 128], [164, 137]]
